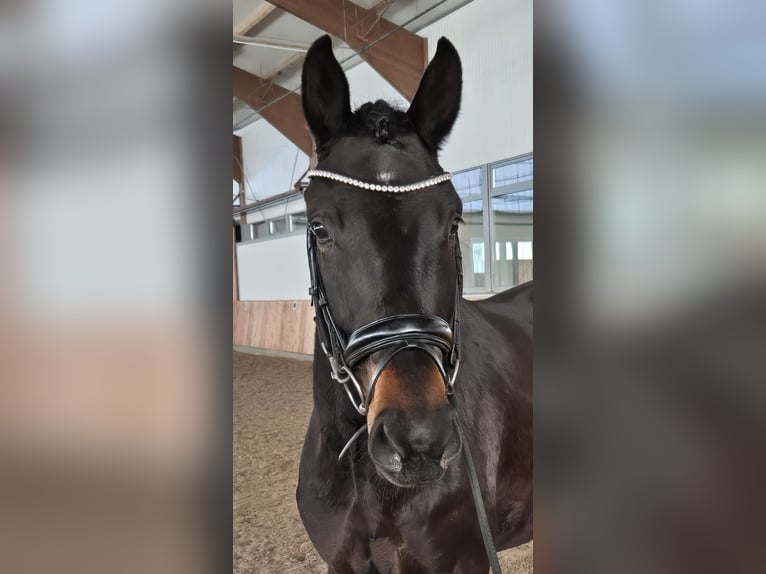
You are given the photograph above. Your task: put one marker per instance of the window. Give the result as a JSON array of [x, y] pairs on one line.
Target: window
[[497, 243], [258, 230], [525, 250], [477, 253], [513, 172], [469, 186], [516, 202], [285, 216], [298, 221], [277, 226], [524, 265], [468, 183], [472, 245]]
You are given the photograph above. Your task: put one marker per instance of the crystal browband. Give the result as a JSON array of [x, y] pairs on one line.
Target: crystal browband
[[446, 176]]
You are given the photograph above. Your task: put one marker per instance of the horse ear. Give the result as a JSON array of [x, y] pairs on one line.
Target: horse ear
[[436, 104], [326, 102]]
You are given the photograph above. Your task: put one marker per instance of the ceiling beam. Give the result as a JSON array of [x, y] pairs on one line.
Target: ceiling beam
[[239, 170], [244, 26], [400, 57], [293, 60], [280, 108]]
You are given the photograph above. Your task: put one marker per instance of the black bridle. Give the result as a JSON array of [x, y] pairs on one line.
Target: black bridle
[[394, 334], [430, 334]]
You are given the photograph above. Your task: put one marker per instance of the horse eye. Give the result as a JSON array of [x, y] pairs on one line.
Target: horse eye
[[319, 231], [456, 225]]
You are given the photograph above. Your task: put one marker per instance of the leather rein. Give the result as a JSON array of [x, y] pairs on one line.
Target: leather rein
[[430, 334]]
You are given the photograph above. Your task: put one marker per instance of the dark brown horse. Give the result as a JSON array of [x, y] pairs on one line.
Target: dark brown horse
[[386, 281]]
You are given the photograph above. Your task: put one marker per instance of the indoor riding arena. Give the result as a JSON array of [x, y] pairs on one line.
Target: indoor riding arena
[[384, 48]]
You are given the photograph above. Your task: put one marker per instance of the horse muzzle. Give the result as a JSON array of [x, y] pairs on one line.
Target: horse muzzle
[[409, 452]]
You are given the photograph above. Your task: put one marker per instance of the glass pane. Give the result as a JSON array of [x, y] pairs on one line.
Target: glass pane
[[512, 235], [277, 226], [525, 250], [512, 173], [259, 230], [298, 221], [525, 270], [467, 183], [477, 256], [518, 202], [472, 245]]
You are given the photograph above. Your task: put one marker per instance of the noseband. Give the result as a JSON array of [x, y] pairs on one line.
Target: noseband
[[394, 334]]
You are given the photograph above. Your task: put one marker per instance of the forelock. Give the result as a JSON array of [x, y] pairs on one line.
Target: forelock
[[383, 121]]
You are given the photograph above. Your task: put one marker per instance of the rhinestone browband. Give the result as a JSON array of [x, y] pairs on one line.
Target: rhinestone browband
[[446, 176]]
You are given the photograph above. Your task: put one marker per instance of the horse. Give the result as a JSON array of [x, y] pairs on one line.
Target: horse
[[399, 354]]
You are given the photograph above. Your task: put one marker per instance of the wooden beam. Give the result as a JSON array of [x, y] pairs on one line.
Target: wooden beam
[[400, 57], [255, 17], [237, 157], [284, 111], [293, 60], [239, 170]]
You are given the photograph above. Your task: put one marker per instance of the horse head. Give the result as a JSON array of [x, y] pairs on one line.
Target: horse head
[[386, 254]]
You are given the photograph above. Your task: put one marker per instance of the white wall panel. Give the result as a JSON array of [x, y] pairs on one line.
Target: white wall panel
[[272, 163], [494, 40], [366, 85], [273, 270]]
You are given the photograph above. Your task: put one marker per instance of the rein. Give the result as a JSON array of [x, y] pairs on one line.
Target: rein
[[394, 334]]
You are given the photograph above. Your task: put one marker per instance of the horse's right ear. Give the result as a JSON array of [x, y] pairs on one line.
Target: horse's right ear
[[326, 102]]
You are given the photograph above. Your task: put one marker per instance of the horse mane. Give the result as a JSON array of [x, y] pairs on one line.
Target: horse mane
[[383, 121]]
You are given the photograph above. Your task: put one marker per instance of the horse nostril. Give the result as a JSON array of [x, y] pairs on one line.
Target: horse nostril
[[388, 435], [384, 447]]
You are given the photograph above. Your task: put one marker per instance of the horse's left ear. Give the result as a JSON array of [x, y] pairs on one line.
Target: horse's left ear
[[436, 104]]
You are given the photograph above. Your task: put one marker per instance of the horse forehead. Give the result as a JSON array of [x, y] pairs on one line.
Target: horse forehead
[[363, 158], [393, 216], [372, 209]]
